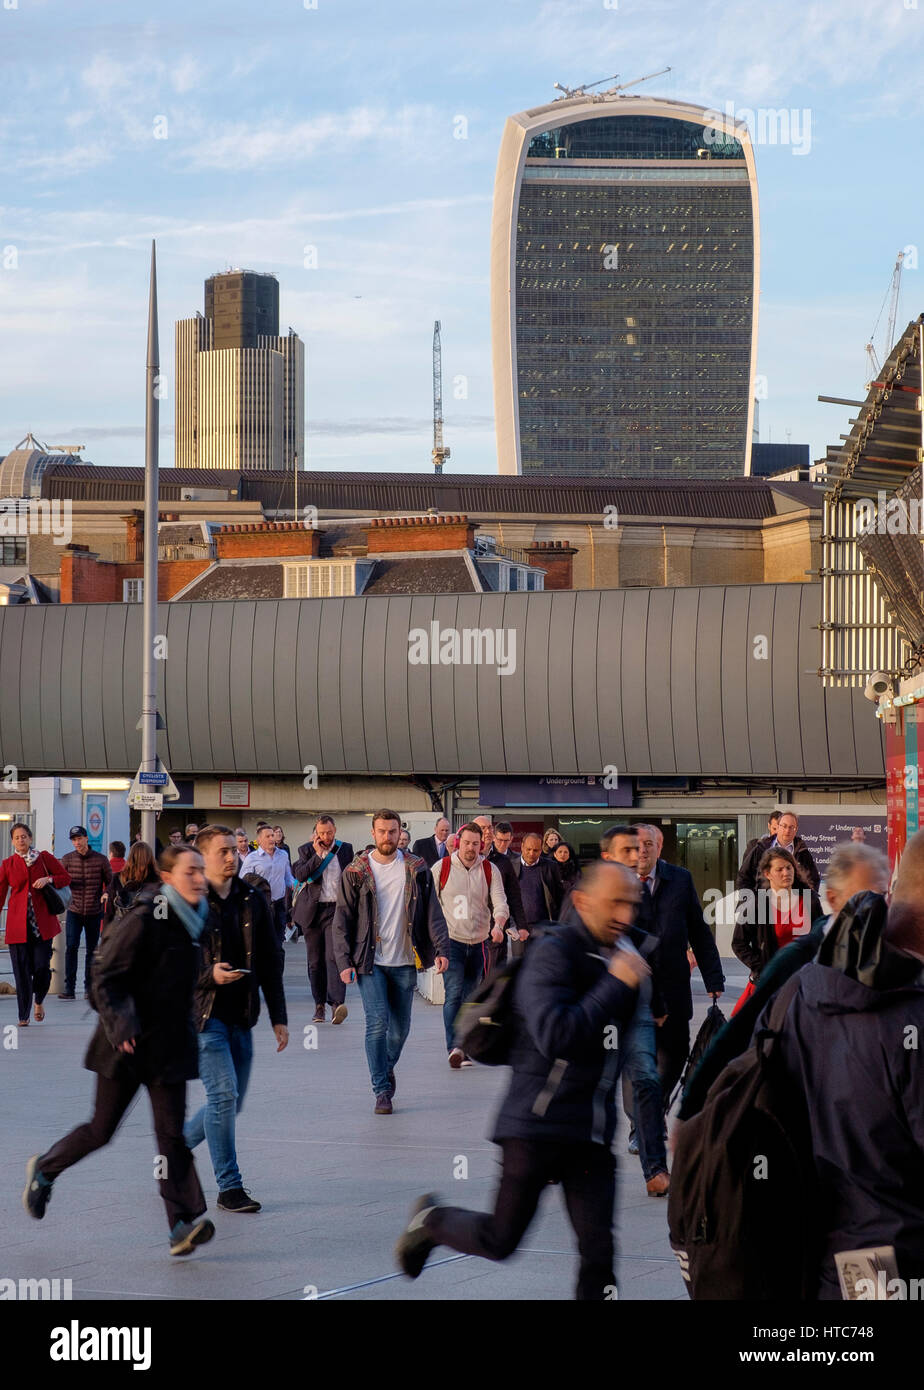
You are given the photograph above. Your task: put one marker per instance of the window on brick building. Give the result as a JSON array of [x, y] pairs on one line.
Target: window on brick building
[[132, 590], [12, 551]]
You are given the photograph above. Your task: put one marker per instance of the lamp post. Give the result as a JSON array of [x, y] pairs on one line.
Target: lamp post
[[149, 720]]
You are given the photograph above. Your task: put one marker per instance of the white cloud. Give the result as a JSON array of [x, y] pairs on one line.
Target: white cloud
[[248, 145]]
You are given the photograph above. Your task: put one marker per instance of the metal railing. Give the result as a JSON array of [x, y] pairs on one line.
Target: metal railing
[[127, 553]]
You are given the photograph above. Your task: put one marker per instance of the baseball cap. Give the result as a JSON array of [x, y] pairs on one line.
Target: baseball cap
[[79, 830]]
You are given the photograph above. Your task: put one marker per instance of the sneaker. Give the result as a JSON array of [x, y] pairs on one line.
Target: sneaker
[[466, 1062], [37, 1193], [186, 1235], [383, 1104], [414, 1245], [318, 1014], [339, 1013], [392, 1084], [659, 1185], [236, 1199], [633, 1142], [456, 1058], [65, 996]]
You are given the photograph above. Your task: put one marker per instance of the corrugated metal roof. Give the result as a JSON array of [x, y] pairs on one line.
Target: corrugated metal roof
[[474, 494]]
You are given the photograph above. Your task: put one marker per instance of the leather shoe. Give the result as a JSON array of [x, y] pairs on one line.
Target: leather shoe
[[659, 1185]]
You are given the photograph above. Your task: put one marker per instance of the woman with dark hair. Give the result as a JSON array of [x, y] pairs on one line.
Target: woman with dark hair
[[139, 871], [144, 977], [567, 864], [31, 926], [782, 909]]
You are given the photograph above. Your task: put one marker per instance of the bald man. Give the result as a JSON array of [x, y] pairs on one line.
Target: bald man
[[576, 986]]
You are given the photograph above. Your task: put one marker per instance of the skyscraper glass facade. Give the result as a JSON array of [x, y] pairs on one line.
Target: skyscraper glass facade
[[633, 286]]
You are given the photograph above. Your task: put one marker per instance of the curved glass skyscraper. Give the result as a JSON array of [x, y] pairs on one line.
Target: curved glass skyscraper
[[624, 281]]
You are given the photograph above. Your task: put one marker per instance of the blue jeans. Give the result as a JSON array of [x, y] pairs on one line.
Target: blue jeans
[[75, 924], [225, 1057], [388, 997], [467, 964], [641, 1085]]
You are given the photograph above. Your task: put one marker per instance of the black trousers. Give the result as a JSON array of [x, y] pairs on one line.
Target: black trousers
[[31, 970], [323, 975], [176, 1171], [673, 1051], [587, 1173]]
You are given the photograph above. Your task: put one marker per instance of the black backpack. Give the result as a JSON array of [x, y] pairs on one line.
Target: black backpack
[[743, 1205], [712, 1024], [485, 1024]]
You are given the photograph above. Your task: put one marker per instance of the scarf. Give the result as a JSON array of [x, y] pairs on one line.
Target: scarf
[[193, 918], [30, 856]]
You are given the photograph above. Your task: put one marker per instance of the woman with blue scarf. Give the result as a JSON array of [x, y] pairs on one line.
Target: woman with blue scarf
[[144, 975]]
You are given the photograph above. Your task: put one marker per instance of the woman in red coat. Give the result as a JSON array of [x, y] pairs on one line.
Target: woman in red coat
[[30, 927]]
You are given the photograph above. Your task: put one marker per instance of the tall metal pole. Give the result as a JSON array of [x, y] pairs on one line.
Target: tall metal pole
[[149, 585]]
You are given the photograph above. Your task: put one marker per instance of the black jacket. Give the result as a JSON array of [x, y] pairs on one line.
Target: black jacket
[[144, 975], [673, 913], [307, 864], [263, 958], [425, 849], [551, 884], [356, 918], [845, 1042], [754, 941], [564, 1057], [122, 895], [747, 874], [504, 865], [644, 941]]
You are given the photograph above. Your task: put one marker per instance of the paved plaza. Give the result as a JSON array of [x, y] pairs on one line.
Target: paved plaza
[[335, 1180]]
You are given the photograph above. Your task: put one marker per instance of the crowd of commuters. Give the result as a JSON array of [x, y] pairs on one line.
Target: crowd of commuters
[[180, 949]]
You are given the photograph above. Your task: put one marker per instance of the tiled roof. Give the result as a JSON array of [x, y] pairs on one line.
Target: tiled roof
[[446, 575], [238, 581]]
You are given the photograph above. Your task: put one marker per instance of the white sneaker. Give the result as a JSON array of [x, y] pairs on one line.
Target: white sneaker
[[456, 1058]]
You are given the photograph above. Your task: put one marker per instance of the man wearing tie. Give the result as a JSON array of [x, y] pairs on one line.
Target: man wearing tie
[[433, 847], [676, 918]]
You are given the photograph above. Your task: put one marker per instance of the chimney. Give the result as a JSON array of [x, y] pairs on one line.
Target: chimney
[[266, 539], [402, 534], [556, 558]]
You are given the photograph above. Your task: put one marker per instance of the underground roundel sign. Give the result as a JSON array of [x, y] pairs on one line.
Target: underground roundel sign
[[95, 822]]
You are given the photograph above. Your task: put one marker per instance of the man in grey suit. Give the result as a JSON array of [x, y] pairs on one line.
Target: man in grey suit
[[318, 868]]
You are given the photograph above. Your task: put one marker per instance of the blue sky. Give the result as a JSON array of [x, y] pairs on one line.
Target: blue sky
[[333, 127]]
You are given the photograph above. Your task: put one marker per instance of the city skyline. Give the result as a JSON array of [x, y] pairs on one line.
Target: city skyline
[[368, 191]]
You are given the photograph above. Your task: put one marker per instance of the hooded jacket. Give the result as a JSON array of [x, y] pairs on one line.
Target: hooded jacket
[[852, 1040]]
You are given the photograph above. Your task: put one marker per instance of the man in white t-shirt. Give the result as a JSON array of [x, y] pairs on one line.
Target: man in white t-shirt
[[388, 924]]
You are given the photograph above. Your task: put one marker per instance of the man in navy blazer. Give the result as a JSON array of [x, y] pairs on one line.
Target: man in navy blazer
[[671, 909], [433, 847], [319, 865]]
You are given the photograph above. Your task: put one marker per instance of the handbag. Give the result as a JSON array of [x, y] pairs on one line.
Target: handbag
[[57, 900]]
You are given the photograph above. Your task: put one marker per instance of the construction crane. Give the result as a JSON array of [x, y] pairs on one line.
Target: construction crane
[[440, 452], [892, 294], [580, 91]]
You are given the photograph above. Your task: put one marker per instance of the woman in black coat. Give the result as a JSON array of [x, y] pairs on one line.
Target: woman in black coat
[[144, 976], [566, 863], [140, 871]]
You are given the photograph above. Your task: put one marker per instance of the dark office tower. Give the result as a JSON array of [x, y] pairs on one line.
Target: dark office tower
[[243, 306], [624, 278], [240, 386]]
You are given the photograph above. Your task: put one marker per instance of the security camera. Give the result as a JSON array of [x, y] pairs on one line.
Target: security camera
[[878, 684]]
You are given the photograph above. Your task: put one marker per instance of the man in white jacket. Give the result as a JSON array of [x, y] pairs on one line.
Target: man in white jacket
[[471, 894]]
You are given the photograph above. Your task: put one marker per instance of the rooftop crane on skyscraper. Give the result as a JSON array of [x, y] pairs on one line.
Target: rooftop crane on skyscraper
[[440, 452], [892, 294]]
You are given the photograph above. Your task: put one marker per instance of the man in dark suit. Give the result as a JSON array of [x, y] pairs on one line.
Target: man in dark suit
[[671, 909], [495, 841], [540, 888], [433, 847], [783, 835], [318, 867]]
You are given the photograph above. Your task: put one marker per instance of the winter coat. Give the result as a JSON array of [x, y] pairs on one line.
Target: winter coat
[[673, 913], [564, 1056], [845, 1042], [262, 958], [91, 875], [747, 874], [15, 878], [144, 974]]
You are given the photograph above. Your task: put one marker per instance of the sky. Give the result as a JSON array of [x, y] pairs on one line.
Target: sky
[[319, 140]]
